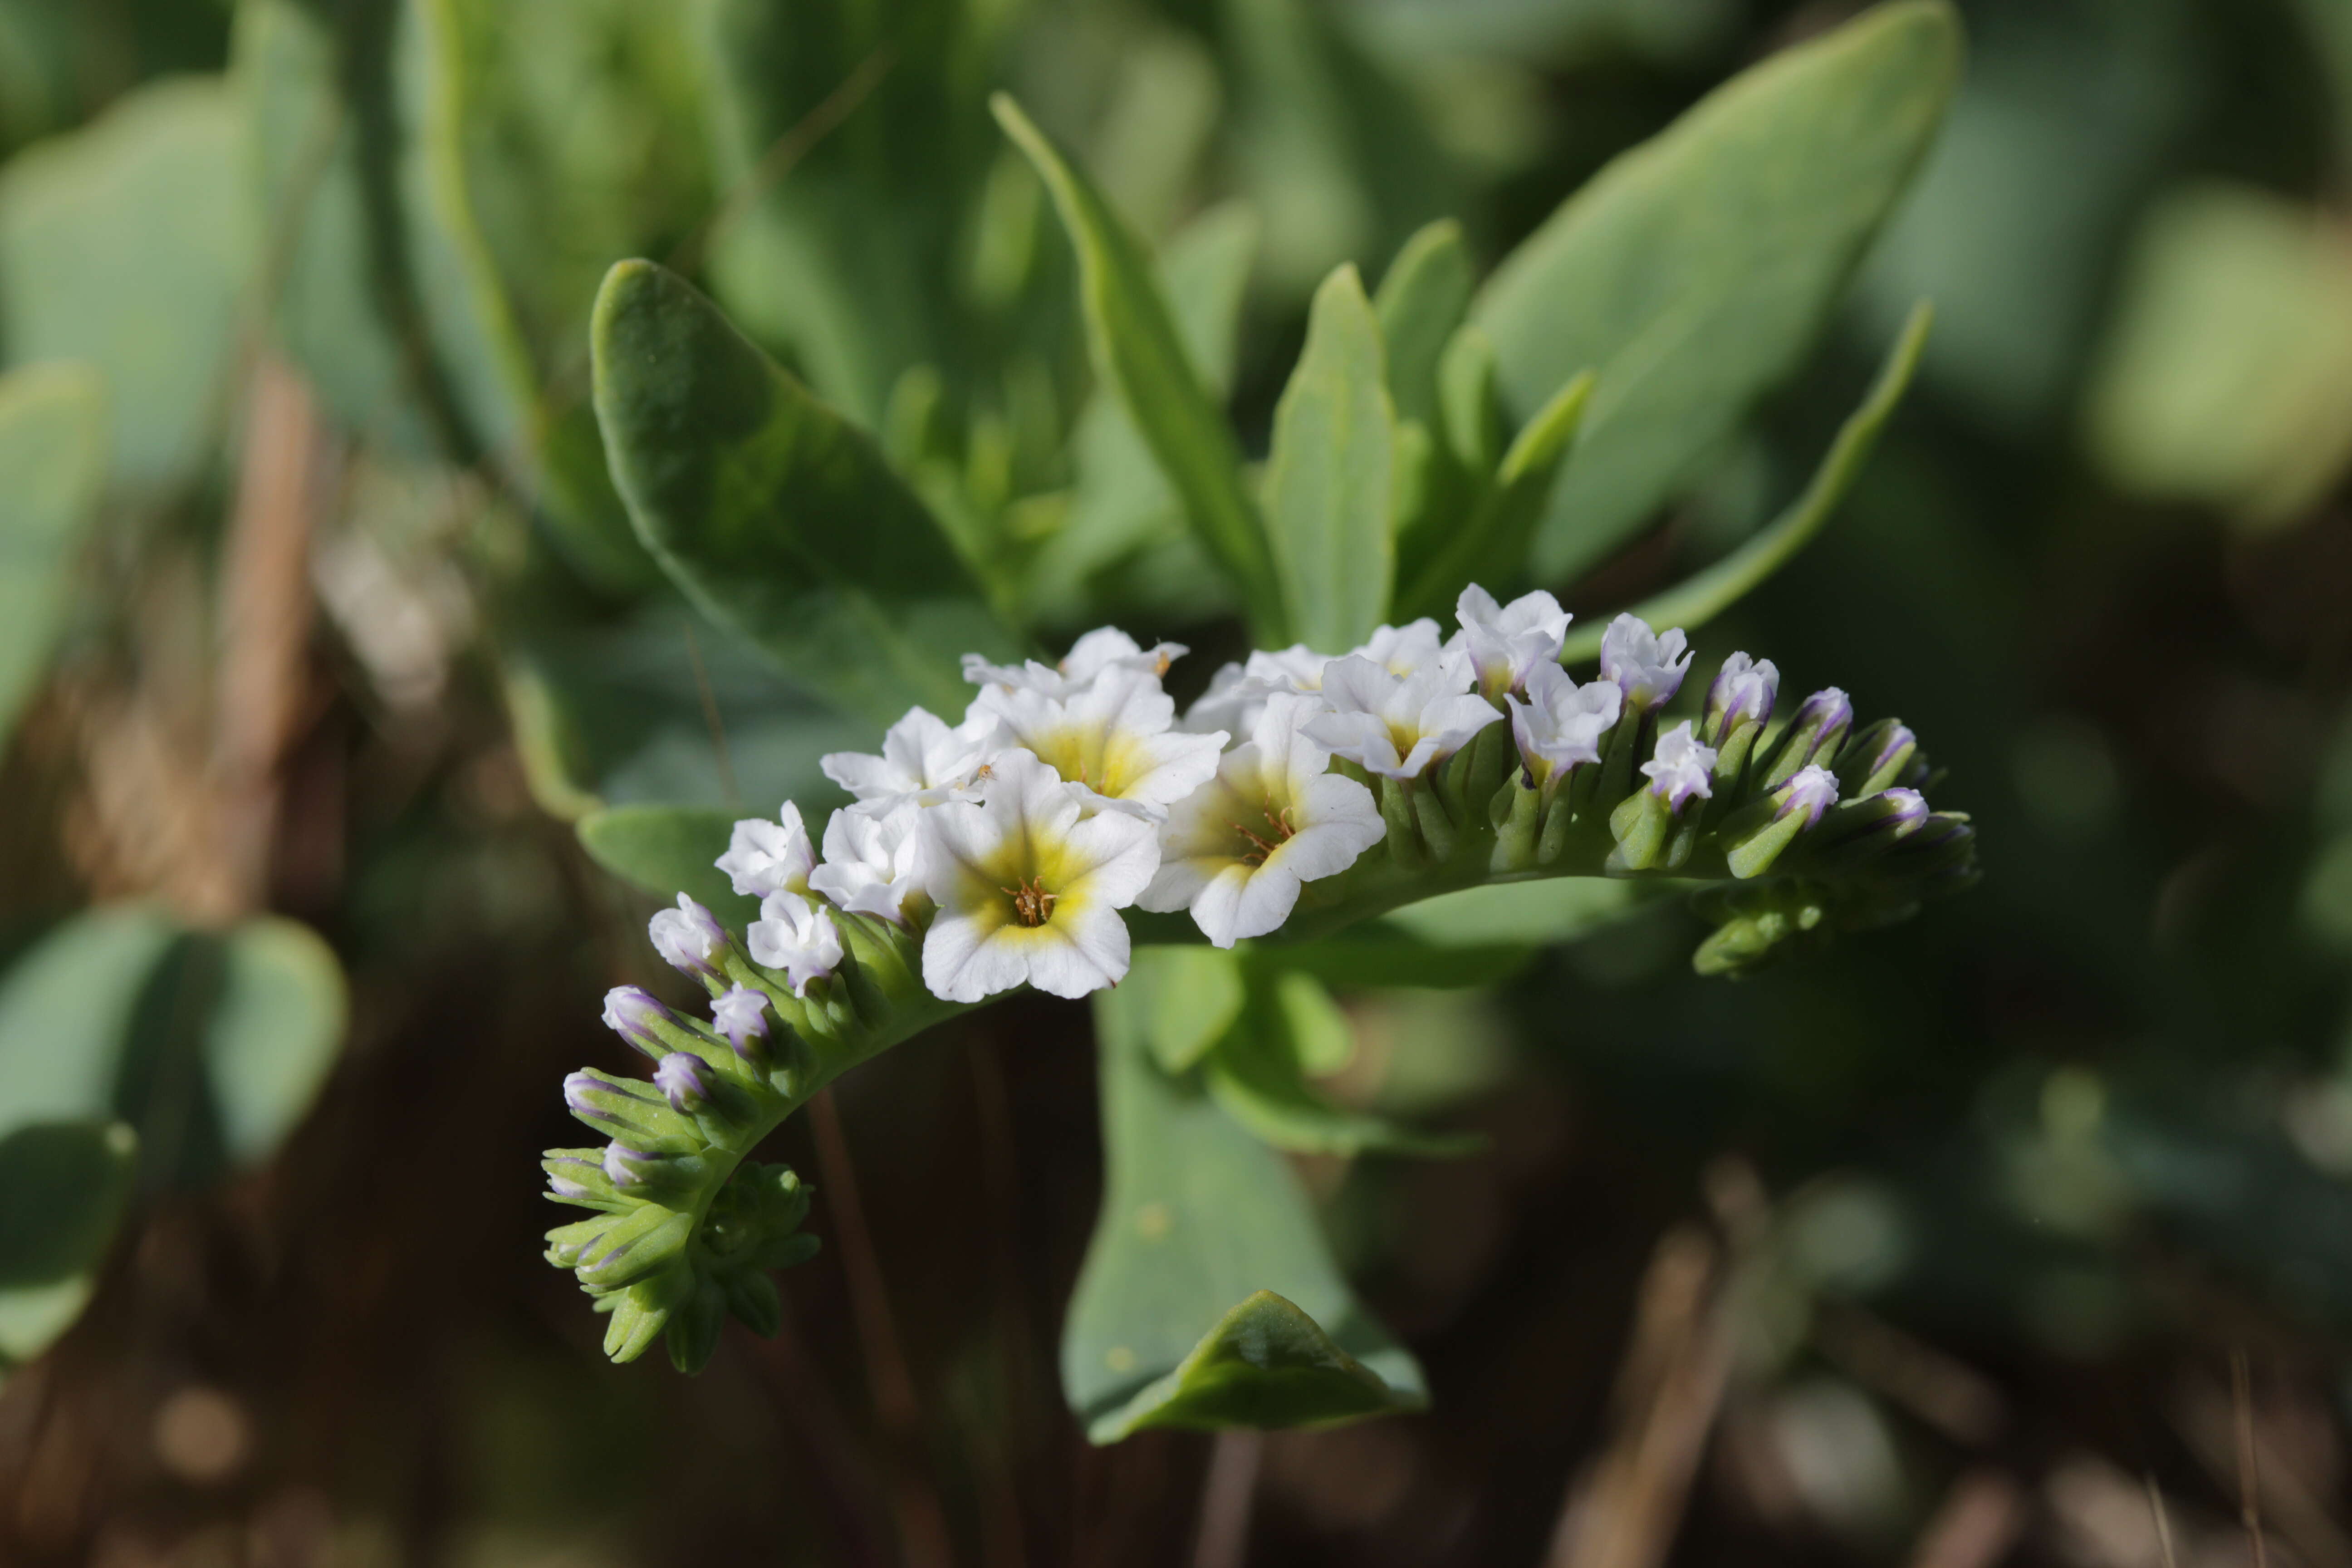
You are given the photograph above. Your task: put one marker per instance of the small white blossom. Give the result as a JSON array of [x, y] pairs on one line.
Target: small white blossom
[[1683, 768], [1029, 886], [1744, 689], [1811, 789], [1399, 728], [1508, 642], [1114, 736], [1237, 849], [1104, 647], [740, 1015], [797, 937], [1648, 665], [1560, 723], [871, 862], [924, 759], [689, 937], [1237, 692], [765, 857]]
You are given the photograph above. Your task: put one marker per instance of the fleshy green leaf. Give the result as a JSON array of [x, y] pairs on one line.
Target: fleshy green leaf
[[1552, 911], [272, 1033], [1329, 479], [1136, 349], [52, 464], [63, 1189], [1265, 1364], [1422, 300], [127, 244], [667, 850], [1699, 598], [67, 1006], [777, 517], [1199, 1217], [1185, 999], [1490, 546], [1695, 272]]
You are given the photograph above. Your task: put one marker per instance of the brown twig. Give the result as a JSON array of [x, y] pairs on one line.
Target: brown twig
[[1227, 1496], [1976, 1525], [2250, 1480], [2163, 1523], [922, 1524]]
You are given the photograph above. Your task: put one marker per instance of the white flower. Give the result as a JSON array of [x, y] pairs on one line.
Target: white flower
[[740, 1015], [1682, 768], [871, 862], [1237, 692], [1113, 736], [765, 857], [796, 936], [1104, 647], [1811, 789], [1505, 643], [924, 759], [1029, 886], [1649, 666], [689, 937], [1399, 728], [1237, 849], [1560, 723]]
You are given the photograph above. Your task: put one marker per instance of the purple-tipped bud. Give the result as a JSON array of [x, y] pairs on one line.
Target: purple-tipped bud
[[628, 1168], [1895, 749], [1814, 735], [689, 939], [1742, 694], [580, 1090], [741, 1015], [1910, 808], [632, 1014], [564, 1187], [1647, 665], [683, 1080], [1812, 790]]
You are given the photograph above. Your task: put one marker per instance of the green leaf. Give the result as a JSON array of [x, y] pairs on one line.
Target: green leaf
[[667, 850], [1185, 999], [2221, 379], [1422, 300], [1694, 271], [1699, 598], [67, 1006], [777, 517], [1198, 1216], [1491, 544], [64, 1187], [1265, 1364], [52, 464], [1329, 478], [1552, 910], [127, 244], [1136, 349], [1258, 1073], [272, 1033], [1121, 504]]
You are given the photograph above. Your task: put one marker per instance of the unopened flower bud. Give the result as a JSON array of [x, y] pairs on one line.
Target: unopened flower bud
[[1875, 757], [1811, 791], [1742, 694], [630, 1169], [1814, 735], [741, 1015], [689, 939], [632, 1014], [683, 1081]]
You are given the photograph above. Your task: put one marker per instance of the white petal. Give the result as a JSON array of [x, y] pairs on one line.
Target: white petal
[[965, 958], [1088, 951], [1120, 856], [1267, 900], [1217, 908]]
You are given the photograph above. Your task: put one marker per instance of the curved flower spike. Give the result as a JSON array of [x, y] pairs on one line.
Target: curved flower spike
[[1237, 849], [1029, 888], [1649, 666], [1397, 728]]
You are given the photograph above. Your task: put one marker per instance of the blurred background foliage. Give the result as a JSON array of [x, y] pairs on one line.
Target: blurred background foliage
[[319, 621]]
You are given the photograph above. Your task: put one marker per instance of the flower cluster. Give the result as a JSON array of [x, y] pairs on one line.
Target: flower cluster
[[1303, 791]]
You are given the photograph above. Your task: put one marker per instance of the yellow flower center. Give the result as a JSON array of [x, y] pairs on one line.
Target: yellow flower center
[[1033, 906]]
